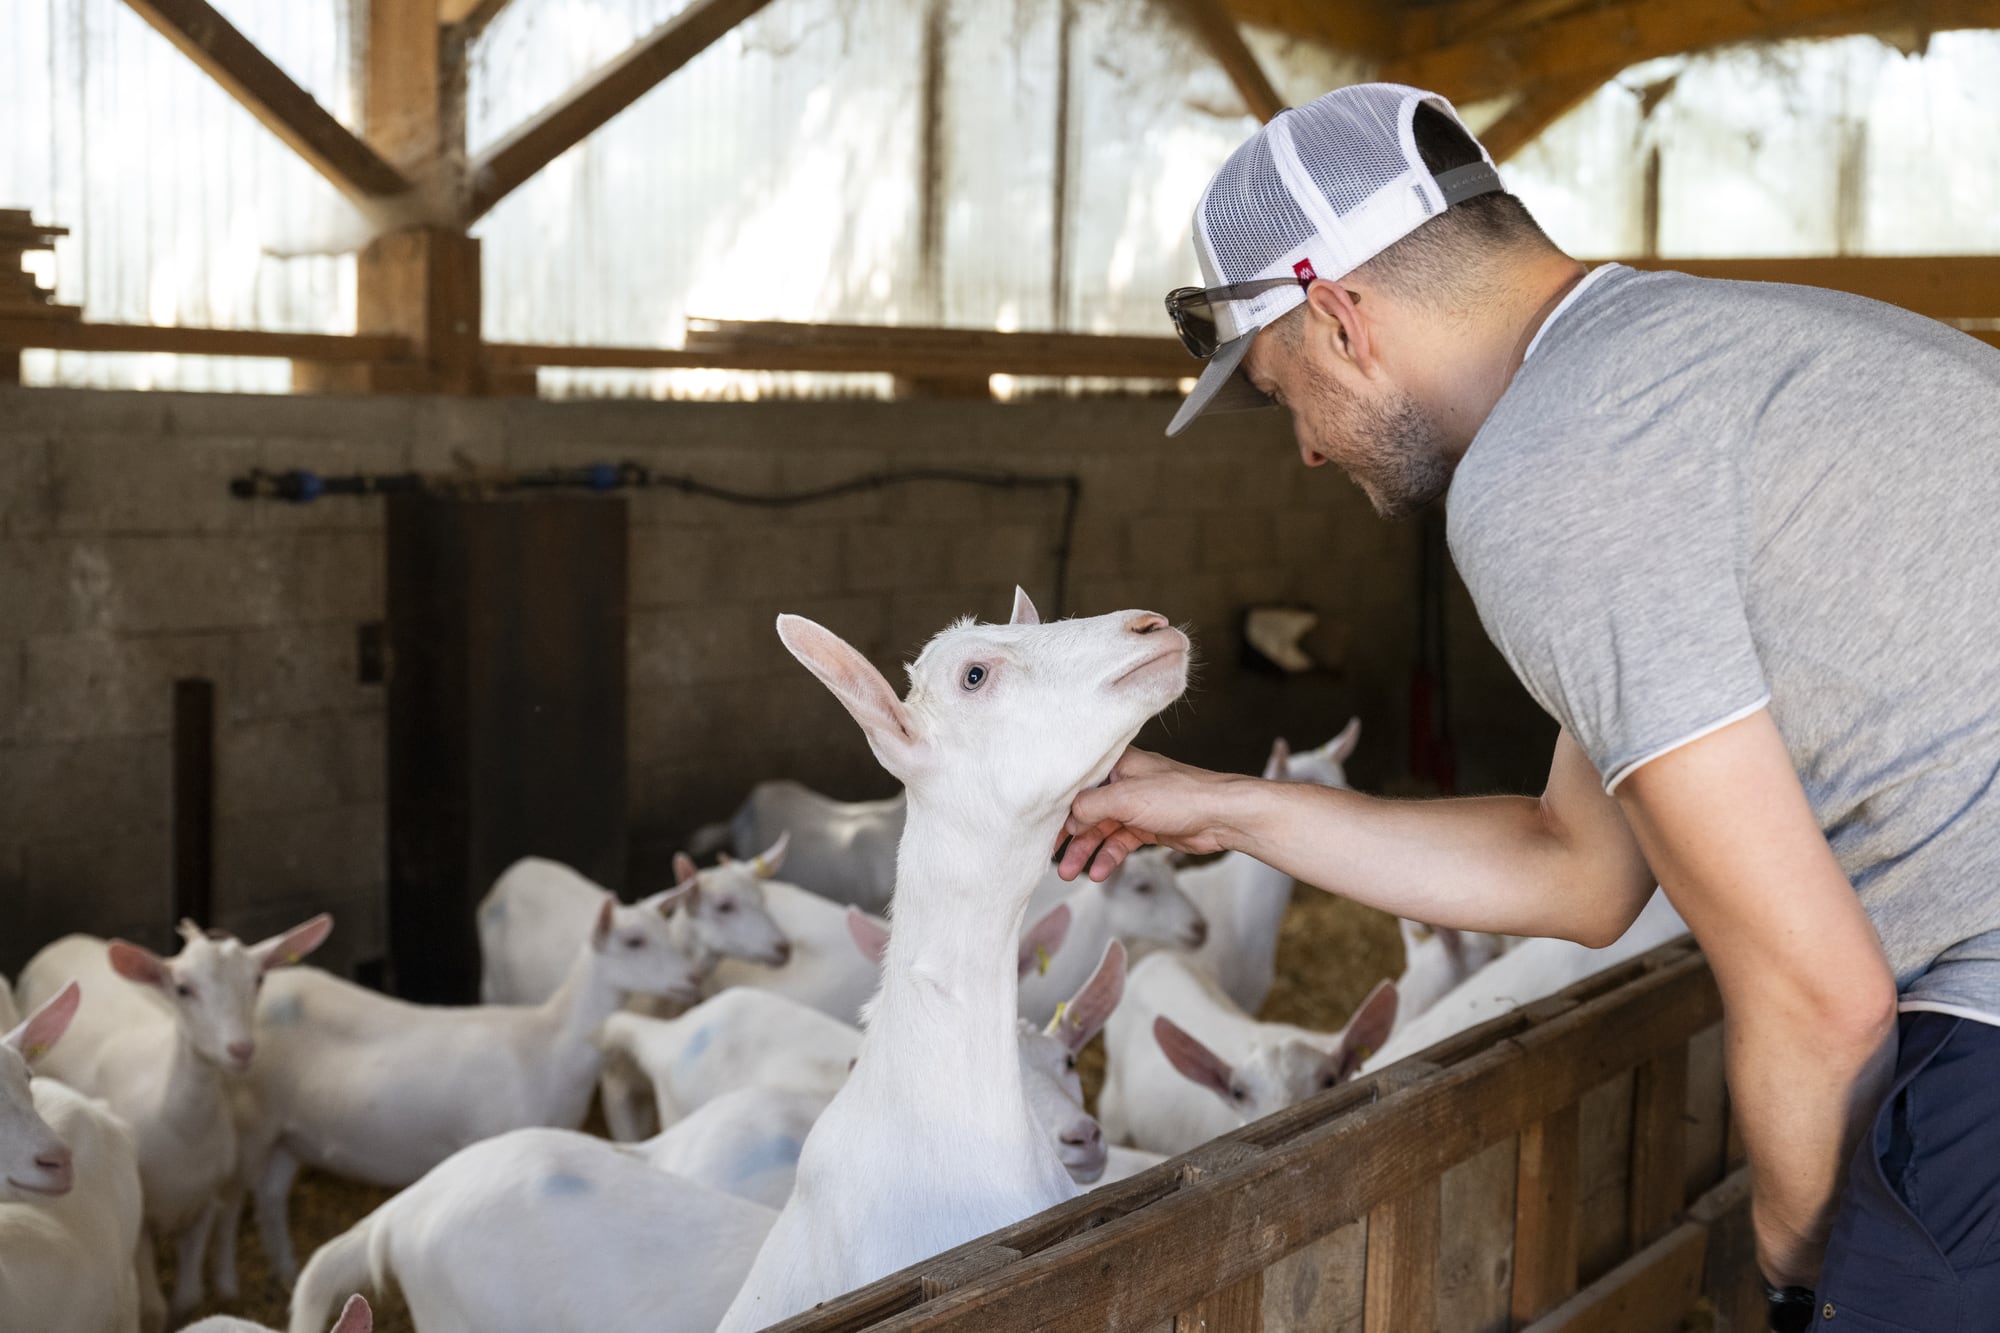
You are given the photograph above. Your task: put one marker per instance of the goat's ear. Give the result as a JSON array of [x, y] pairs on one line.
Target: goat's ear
[[134, 963], [869, 935], [1041, 940], [1341, 747], [600, 929], [766, 862], [187, 930], [1454, 945], [1192, 1060], [46, 1025], [1368, 1029], [288, 948], [1024, 610], [355, 1316], [684, 868], [1278, 767], [891, 731], [1089, 1009]]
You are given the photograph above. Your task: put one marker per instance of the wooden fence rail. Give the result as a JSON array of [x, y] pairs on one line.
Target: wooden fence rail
[[1561, 1167]]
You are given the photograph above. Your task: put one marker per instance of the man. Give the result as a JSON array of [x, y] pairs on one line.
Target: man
[[1740, 541]]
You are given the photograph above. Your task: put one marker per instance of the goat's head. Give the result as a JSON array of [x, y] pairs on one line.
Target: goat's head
[[1285, 1071], [1013, 718], [1325, 766], [1048, 1067], [1144, 901], [725, 905], [211, 985], [636, 951], [34, 1163]]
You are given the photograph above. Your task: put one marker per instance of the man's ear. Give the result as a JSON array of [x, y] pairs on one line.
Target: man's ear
[[1337, 317]]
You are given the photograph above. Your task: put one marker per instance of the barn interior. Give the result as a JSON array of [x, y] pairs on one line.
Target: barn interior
[[414, 413]]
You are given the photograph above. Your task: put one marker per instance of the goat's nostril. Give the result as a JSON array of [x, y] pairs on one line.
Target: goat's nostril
[[56, 1159], [242, 1050], [1149, 622]]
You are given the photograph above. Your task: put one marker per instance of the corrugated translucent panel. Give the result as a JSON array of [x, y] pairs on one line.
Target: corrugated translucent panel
[[171, 189], [1798, 149]]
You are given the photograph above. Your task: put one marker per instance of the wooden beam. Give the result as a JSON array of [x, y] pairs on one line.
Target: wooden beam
[[1622, 34], [286, 109], [1944, 287], [470, 17], [1537, 109], [1224, 40], [559, 127], [1362, 27], [76, 336]]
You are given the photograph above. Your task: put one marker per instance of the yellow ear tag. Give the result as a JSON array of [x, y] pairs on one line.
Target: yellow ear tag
[[757, 864], [293, 957], [36, 1051], [1041, 960], [1055, 1024]]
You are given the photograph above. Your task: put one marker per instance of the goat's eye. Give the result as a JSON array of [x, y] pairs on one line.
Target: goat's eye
[[725, 907], [1238, 1095], [635, 941], [1330, 1081], [1143, 888], [1069, 1062], [185, 991], [975, 676]]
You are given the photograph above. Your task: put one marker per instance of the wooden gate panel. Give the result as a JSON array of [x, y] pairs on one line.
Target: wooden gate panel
[[1604, 1135], [1476, 1245], [1318, 1289]]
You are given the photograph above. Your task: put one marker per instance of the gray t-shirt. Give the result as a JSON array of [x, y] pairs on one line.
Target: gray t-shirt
[[1701, 498]]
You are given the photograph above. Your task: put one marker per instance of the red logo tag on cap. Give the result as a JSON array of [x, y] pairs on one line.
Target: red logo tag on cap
[[1303, 271]]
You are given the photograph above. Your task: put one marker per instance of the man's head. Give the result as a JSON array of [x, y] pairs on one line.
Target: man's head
[[1410, 267]]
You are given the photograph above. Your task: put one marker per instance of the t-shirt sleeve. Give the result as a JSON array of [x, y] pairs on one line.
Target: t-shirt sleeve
[[1607, 563]]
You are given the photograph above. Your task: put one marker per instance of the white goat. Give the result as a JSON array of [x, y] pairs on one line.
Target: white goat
[[9, 1015], [381, 1090], [1243, 899], [1531, 970], [745, 1142], [1185, 1064], [842, 850], [1139, 903], [931, 1141], [355, 1317], [825, 970], [544, 1231], [70, 1207], [1435, 960], [531, 918], [157, 1042]]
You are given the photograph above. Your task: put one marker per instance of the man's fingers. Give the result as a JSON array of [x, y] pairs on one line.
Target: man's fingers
[[1113, 850]]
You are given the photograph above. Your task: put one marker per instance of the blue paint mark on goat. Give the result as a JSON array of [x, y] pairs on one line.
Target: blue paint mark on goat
[[771, 1155], [283, 1012], [565, 1184], [696, 1046]]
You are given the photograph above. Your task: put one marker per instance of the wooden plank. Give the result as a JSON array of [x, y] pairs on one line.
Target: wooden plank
[[1659, 1145], [194, 800], [1622, 34], [1318, 1289], [961, 1267], [1237, 1308], [1706, 1128], [1649, 1293], [1604, 1165], [1224, 40], [571, 118], [1539, 107], [1401, 1292], [287, 110], [1129, 1251], [1476, 1244], [70, 336], [1547, 1206], [1360, 27], [1946, 287], [1730, 1281], [470, 17]]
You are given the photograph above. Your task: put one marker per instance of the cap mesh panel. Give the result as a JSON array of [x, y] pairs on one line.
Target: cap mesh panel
[[1352, 145], [1252, 218]]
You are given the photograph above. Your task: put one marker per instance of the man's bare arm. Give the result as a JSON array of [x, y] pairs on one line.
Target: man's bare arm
[[1810, 1001], [1564, 865]]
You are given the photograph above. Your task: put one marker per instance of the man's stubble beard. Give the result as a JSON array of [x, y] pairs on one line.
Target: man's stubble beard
[[1388, 447]]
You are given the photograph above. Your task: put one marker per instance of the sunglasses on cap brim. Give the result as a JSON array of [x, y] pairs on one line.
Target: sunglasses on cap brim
[[1192, 309]]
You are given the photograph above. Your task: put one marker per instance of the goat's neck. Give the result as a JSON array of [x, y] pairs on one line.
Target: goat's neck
[[191, 1092], [687, 940], [578, 1008], [1089, 913], [949, 992]]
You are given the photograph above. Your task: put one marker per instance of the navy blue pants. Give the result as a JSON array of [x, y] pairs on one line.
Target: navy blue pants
[[1915, 1246]]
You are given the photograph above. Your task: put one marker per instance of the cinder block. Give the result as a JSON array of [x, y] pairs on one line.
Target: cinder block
[[27, 499], [1162, 544], [710, 642], [1118, 480], [49, 585], [1236, 538], [143, 584], [280, 764], [13, 670], [940, 503], [328, 458], [78, 685], [670, 565], [448, 432], [1003, 554], [1305, 537], [103, 880], [1208, 481], [271, 416], [800, 472], [134, 485], [881, 559], [363, 743], [774, 560], [311, 856], [41, 411], [358, 916], [337, 576], [295, 669], [53, 790]]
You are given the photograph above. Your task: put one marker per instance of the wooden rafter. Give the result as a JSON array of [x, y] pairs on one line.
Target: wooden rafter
[[1537, 109], [571, 118], [1946, 287], [1224, 40], [286, 109], [1621, 34], [1363, 27], [470, 16]]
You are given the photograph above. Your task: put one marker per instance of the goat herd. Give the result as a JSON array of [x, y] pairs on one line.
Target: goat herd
[[827, 1101]]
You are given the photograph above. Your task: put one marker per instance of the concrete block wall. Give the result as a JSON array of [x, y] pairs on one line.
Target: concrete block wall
[[124, 565]]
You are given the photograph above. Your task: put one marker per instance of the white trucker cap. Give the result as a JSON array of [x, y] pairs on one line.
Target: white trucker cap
[[1316, 193]]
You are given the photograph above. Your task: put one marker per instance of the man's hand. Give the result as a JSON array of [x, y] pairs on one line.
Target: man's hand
[[1147, 799]]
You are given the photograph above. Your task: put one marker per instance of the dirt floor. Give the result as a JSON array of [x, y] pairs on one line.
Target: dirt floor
[[1330, 952]]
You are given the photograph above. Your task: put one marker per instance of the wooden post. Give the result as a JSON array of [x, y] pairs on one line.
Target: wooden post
[[194, 800], [1545, 1215], [1403, 1237], [1659, 1145]]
